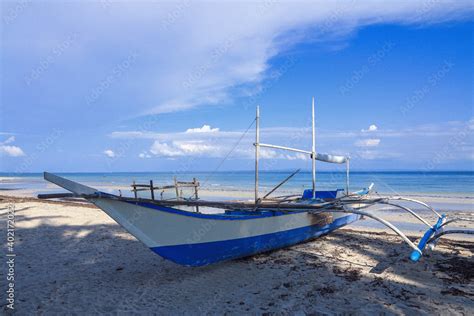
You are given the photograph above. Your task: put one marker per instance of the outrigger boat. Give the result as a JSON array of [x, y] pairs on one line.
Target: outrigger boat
[[191, 237]]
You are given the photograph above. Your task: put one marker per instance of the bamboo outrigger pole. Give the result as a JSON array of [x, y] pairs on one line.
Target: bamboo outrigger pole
[[257, 150], [347, 175], [313, 152]]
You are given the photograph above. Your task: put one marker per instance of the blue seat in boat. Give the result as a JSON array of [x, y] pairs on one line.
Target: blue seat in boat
[[324, 195]]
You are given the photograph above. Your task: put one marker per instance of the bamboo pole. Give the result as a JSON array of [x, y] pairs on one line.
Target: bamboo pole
[[347, 175], [176, 188], [152, 190], [280, 184], [257, 150], [286, 148], [196, 193], [313, 152]]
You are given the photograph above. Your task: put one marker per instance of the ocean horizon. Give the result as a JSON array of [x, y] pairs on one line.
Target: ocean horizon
[[440, 183]]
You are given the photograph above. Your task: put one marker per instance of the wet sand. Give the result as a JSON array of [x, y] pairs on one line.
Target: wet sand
[[72, 258]]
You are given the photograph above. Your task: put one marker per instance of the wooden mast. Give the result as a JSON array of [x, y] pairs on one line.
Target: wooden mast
[[257, 150]]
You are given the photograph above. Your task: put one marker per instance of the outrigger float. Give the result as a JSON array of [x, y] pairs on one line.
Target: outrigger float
[[178, 230]]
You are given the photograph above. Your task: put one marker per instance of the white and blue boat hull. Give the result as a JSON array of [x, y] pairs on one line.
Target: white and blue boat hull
[[197, 239]]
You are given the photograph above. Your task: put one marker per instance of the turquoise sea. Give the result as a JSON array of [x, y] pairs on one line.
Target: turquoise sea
[[449, 183]]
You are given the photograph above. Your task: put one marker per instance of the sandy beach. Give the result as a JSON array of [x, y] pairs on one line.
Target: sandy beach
[[72, 258]]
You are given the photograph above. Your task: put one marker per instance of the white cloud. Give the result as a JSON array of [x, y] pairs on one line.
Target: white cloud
[[266, 153], [221, 58], [165, 150], [12, 151], [372, 128], [195, 147], [425, 141], [209, 52], [9, 140], [303, 133], [144, 155], [184, 148], [203, 129], [297, 156], [109, 153], [371, 142]]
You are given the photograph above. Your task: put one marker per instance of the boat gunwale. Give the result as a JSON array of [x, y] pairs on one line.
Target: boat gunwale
[[157, 205], [219, 216]]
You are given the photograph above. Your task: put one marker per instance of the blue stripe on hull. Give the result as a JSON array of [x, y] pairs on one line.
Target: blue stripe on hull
[[201, 254]]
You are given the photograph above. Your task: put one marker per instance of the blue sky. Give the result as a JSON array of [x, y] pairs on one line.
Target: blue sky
[[106, 86]]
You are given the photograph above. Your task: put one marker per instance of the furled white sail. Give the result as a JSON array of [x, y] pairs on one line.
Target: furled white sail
[[331, 158]]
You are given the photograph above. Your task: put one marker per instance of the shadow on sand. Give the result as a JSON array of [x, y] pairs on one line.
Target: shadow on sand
[[102, 269]]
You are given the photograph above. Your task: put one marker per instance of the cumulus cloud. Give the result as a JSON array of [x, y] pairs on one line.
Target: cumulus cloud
[[109, 153], [177, 149], [165, 150], [10, 150], [191, 147], [371, 142], [297, 156], [197, 147], [144, 155], [203, 129], [426, 140], [372, 128]]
